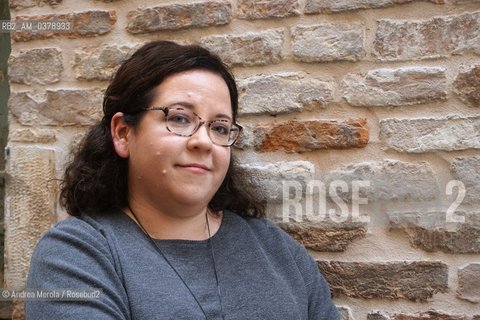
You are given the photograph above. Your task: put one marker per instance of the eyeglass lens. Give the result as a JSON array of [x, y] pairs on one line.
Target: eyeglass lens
[[185, 122]]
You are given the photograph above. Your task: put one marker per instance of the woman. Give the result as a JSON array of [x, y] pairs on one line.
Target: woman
[[157, 223]]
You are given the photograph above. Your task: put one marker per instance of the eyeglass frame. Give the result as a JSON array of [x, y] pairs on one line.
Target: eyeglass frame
[[200, 123]]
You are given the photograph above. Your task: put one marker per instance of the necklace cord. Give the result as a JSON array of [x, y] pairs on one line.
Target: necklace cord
[[175, 270], [210, 241]]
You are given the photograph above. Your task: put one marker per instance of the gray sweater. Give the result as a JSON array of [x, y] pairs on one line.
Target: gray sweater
[[262, 272]]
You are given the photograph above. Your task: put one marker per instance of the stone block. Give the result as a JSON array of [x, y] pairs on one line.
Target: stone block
[[390, 180], [22, 4], [429, 315], [80, 25], [434, 231], [250, 49], [411, 280], [395, 87], [431, 134], [326, 236], [263, 181], [467, 170], [469, 283], [179, 16], [40, 66], [467, 86], [18, 312], [56, 107], [251, 9], [33, 135], [245, 140], [303, 136], [334, 6], [100, 63], [327, 42], [345, 313], [427, 39], [283, 93], [30, 198]]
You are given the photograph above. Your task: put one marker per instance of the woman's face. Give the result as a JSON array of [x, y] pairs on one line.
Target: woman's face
[[169, 170]]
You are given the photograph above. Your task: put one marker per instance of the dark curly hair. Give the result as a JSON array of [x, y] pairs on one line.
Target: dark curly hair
[[96, 179]]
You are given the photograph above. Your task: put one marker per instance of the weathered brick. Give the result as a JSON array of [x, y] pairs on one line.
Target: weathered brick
[[416, 280], [437, 37], [345, 313], [263, 181], [282, 93], [464, 2], [100, 63], [56, 107], [29, 66], [251, 9], [467, 170], [434, 231], [429, 315], [328, 42], [395, 87], [467, 86], [179, 16], [30, 203], [82, 24], [33, 135], [332, 6], [389, 180], [469, 282], [18, 312], [431, 134], [246, 139], [249, 49], [6, 307], [327, 236], [21, 4], [302, 136]]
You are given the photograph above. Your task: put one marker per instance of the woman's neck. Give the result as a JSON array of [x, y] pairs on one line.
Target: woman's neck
[[160, 225]]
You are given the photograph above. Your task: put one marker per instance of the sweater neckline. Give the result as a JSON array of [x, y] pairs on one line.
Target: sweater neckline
[[226, 217]]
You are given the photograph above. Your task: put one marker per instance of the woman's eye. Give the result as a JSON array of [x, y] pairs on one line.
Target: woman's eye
[[179, 118], [220, 129]]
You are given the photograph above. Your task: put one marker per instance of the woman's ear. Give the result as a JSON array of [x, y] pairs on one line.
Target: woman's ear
[[119, 131]]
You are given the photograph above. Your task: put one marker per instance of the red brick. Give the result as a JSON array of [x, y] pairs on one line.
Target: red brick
[[302, 136]]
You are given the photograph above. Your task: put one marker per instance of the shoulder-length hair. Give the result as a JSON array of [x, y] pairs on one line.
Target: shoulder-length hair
[[96, 178]]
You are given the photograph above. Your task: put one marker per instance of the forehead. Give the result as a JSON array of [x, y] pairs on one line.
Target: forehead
[[198, 88]]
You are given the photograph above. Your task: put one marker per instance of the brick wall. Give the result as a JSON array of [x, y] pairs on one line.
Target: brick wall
[[359, 114]]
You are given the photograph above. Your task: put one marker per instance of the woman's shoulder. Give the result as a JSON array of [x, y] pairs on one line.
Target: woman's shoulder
[[87, 232], [266, 232]]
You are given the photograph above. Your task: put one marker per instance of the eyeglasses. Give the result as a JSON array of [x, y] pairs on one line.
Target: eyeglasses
[[184, 122]]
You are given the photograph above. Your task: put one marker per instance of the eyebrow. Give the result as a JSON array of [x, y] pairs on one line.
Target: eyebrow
[[190, 106]]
